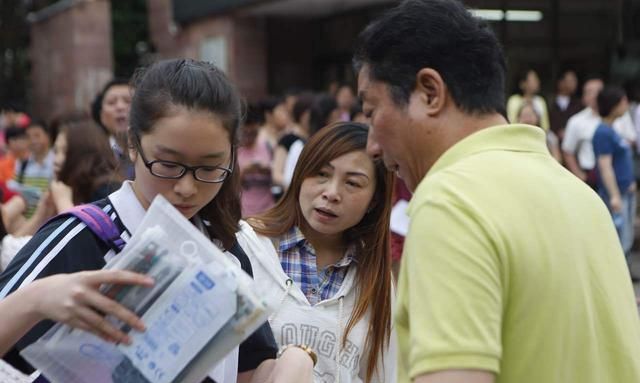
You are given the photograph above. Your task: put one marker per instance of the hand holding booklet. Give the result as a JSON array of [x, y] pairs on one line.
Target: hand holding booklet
[[200, 308]]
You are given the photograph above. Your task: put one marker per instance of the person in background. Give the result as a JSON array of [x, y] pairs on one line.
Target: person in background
[[323, 258], [33, 175], [290, 145], [17, 150], [564, 104], [254, 164], [511, 265], [528, 88], [110, 110], [290, 99], [345, 100], [276, 122], [528, 115], [85, 170], [577, 146], [323, 111], [614, 156]]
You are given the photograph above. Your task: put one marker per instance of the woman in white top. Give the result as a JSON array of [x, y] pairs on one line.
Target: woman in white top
[[329, 275]]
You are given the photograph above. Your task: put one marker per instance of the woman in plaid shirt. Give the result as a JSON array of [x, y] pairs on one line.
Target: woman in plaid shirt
[[325, 258]]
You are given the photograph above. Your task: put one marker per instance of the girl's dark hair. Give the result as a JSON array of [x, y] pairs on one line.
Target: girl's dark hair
[[89, 162], [201, 86], [371, 235], [96, 104], [608, 98]]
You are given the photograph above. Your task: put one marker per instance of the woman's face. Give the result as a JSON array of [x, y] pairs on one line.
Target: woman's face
[[345, 98], [531, 84], [60, 152], [339, 195], [115, 109], [189, 137], [280, 116], [528, 116]]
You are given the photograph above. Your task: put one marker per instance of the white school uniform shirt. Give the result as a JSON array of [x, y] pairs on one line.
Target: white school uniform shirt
[[321, 326]]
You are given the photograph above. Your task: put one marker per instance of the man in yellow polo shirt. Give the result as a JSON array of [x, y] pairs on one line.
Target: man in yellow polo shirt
[[512, 270]]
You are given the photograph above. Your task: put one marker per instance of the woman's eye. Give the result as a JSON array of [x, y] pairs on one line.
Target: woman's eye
[[354, 184]]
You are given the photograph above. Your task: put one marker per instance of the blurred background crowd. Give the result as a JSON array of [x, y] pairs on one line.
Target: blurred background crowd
[[65, 69]]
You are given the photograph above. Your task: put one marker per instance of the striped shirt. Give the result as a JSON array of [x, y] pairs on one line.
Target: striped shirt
[[36, 176], [298, 260]]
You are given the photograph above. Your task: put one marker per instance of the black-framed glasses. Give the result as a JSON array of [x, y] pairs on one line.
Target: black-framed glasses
[[176, 170]]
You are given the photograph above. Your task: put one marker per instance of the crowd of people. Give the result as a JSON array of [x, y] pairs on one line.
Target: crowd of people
[[511, 255]]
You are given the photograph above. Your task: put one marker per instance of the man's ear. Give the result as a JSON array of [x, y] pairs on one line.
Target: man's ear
[[432, 90]]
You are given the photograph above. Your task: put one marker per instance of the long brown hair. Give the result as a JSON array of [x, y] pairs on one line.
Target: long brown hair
[[370, 235], [89, 162]]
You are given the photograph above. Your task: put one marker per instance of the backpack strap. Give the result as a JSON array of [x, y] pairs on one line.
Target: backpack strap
[[99, 223]]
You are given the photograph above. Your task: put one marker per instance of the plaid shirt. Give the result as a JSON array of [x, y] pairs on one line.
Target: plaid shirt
[[298, 260]]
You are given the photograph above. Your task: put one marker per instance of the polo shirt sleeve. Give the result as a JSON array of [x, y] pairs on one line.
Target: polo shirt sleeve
[[603, 143], [451, 293]]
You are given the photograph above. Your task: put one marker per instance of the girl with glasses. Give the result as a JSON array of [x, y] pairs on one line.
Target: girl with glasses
[[183, 122]]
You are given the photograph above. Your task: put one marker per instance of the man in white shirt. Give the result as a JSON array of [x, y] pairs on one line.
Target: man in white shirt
[[577, 147]]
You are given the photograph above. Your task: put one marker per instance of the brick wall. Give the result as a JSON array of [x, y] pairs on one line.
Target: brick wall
[[244, 39], [71, 56]]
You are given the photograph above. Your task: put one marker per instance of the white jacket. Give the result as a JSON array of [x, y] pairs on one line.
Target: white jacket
[[321, 326]]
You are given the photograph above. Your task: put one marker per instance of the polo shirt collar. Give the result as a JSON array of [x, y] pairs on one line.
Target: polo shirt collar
[[512, 137]]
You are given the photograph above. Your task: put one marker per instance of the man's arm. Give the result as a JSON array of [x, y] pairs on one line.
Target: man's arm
[[609, 180], [456, 376], [572, 164], [453, 286]]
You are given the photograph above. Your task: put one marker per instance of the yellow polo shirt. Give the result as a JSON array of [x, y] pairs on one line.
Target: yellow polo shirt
[[512, 265]]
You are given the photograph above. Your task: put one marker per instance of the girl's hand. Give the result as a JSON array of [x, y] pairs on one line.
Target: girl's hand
[[74, 299]]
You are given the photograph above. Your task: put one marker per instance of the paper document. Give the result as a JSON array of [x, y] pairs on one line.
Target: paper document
[[201, 306]]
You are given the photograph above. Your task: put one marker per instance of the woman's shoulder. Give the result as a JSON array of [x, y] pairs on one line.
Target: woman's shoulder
[[247, 230], [253, 243]]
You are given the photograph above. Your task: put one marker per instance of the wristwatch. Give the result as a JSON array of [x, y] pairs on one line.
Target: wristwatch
[[303, 347]]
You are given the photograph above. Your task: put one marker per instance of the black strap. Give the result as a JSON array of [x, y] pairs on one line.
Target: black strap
[[23, 167]]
